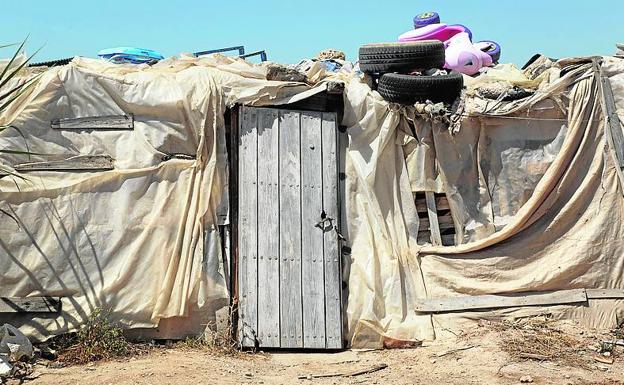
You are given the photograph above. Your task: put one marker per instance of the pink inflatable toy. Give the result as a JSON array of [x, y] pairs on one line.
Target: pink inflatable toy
[[462, 56], [440, 31]]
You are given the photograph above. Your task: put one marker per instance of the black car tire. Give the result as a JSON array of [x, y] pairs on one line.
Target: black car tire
[[401, 57], [409, 89]]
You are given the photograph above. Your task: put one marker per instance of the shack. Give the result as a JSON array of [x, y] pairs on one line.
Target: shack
[[194, 194]]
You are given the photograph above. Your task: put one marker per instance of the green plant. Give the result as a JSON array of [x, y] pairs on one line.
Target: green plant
[[11, 88], [98, 339]]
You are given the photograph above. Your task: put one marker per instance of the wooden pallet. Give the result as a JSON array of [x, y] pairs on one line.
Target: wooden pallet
[[436, 224]]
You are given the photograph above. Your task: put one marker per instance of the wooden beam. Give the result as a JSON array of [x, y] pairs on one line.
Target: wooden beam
[[313, 289], [432, 212], [444, 222], [231, 134], [577, 60], [613, 120], [441, 204], [291, 316], [478, 302], [331, 248], [448, 239], [247, 143], [322, 102], [107, 122], [268, 228], [75, 163], [30, 305], [613, 128], [604, 293]]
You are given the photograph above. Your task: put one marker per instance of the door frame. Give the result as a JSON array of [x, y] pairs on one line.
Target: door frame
[[332, 103]]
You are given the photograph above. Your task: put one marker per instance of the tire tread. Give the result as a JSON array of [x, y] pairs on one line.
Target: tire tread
[[408, 89], [401, 57]]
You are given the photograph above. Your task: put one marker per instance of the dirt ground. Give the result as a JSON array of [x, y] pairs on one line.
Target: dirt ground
[[484, 356]]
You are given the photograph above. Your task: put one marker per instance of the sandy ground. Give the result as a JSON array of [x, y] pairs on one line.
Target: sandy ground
[[480, 361]]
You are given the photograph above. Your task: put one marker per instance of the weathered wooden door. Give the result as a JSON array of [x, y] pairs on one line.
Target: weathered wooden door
[[288, 252]]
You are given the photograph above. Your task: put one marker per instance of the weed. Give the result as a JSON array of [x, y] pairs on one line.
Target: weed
[[96, 340], [219, 340]]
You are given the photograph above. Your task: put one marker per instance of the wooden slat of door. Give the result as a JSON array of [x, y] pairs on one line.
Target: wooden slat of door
[[268, 229], [312, 236], [247, 231], [291, 322], [333, 318]]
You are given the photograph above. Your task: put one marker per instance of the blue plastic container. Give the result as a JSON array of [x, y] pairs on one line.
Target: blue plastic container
[[130, 55]]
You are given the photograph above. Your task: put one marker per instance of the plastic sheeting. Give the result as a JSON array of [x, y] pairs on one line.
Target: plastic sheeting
[[547, 180], [140, 240], [534, 197]]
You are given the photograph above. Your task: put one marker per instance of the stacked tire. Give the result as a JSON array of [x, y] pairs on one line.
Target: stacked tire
[[400, 67]]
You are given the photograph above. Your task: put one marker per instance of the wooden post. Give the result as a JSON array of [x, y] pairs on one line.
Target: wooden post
[[613, 128], [434, 226]]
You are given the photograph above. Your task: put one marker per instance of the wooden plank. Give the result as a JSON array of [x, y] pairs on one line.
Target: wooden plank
[[311, 235], [448, 239], [444, 222], [268, 229], [331, 253], [613, 127], [604, 293], [232, 137], [613, 120], [291, 318], [441, 204], [30, 305], [75, 163], [107, 122], [500, 301], [247, 228], [318, 102], [343, 142], [424, 238], [432, 213]]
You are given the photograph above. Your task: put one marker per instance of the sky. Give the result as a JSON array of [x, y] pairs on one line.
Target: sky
[[293, 30]]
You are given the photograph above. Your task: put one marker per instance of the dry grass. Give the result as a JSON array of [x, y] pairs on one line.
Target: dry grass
[[210, 343], [100, 340], [97, 340], [221, 341], [539, 337]]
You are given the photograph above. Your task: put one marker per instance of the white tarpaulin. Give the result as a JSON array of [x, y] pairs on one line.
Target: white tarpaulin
[[544, 175], [533, 192], [140, 240]]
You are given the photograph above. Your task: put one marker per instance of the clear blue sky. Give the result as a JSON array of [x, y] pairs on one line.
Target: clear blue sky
[[291, 30]]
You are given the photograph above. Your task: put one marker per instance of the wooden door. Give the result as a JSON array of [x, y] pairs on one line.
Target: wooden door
[[288, 252]]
